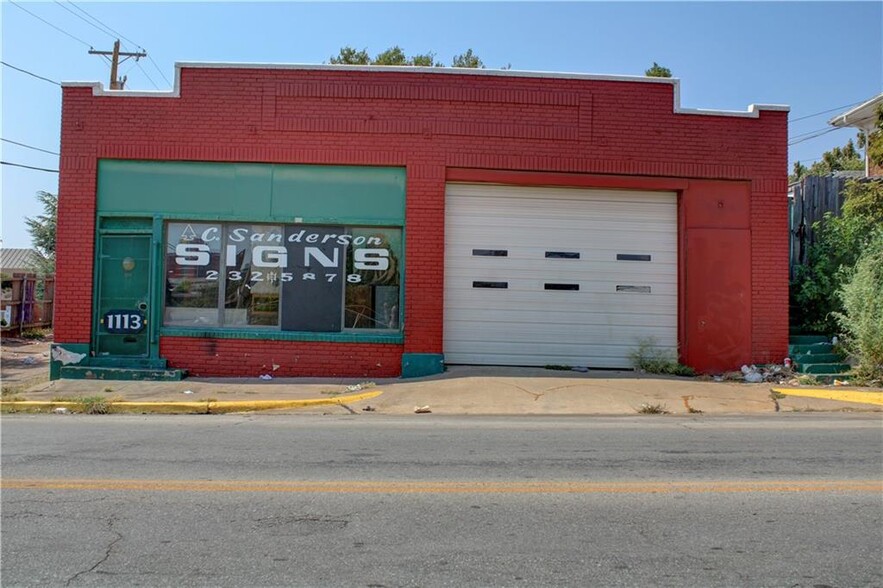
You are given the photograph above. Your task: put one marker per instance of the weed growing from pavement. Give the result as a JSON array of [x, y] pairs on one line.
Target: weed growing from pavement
[[93, 405], [562, 368], [652, 409], [650, 358]]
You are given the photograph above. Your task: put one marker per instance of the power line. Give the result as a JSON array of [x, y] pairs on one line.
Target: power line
[[62, 31], [28, 146], [823, 112], [52, 171], [159, 70], [144, 71], [115, 32], [818, 134], [30, 73], [90, 23]]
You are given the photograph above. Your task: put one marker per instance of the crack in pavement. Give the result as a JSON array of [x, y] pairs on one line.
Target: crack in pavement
[[110, 546]]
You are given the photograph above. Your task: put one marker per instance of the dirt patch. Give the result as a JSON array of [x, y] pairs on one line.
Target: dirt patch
[[23, 363]]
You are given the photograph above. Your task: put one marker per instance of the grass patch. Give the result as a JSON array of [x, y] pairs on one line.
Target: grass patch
[[808, 380], [561, 368], [34, 334], [650, 358]]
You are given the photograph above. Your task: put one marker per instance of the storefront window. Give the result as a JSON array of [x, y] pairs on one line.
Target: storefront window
[[372, 289], [193, 253], [251, 292], [294, 277]]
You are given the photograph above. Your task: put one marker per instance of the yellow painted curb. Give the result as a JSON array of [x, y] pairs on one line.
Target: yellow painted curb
[[205, 406], [844, 395]]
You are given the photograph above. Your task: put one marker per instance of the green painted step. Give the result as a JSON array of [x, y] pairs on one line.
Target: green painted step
[[824, 368], [76, 372], [808, 339], [801, 359], [126, 362], [814, 348]]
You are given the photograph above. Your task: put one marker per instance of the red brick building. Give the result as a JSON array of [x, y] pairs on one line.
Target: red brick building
[[383, 221]]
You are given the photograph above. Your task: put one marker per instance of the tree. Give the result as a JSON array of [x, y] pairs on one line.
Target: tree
[[657, 71], [837, 159], [42, 230], [875, 140], [349, 56], [468, 59], [395, 55]]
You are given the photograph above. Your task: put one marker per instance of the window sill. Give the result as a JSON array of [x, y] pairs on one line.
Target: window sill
[[267, 335]]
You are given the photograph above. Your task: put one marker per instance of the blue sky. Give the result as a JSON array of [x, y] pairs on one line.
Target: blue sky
[[813, 56]]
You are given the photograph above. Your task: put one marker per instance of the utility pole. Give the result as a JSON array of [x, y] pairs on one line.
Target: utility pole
[[115, 82]]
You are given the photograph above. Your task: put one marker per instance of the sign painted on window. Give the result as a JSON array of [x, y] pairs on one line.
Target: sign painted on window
[[123, 322], [295, 277]]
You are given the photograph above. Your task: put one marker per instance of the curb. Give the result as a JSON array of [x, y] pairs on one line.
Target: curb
[[203, 407], [875, 398]]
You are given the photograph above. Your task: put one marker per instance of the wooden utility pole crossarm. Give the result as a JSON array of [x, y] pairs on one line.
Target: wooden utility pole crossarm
[[114, 58]]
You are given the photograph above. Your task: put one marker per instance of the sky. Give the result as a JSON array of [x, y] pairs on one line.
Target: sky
[[812, 56]]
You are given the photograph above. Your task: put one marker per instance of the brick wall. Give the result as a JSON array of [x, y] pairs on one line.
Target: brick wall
[[427, 122]]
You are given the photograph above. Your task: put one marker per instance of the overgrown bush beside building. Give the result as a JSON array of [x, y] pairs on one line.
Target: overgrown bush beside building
[[862, 316], [831, 260]]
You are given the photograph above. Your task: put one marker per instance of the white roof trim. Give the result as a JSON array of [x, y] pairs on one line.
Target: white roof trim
[[98, 88], [862, 116]]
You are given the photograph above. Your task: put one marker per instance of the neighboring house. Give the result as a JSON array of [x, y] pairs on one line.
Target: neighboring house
[[864, 118], [324, 220], [17, 261]]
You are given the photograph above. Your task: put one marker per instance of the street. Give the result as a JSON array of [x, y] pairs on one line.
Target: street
[[372, 500]]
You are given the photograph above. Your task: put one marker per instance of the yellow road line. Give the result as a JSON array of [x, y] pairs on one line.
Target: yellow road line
[[844, 395], [443, 487], [212, 406]]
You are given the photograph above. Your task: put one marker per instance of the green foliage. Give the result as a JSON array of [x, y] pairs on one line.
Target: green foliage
[[396, 56], [648, 357], [862, 319], [837, 159], [33, 334], [42, 229], [468, 59], [875, 140], [831, 259], [657, 71], [349, 56]]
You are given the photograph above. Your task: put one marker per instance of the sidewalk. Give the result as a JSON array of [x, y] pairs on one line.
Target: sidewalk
[[466, 390]]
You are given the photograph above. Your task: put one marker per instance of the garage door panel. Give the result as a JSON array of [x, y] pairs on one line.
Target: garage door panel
[[526, 324]]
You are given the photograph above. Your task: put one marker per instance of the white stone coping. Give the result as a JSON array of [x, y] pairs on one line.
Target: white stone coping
[[99, 90]]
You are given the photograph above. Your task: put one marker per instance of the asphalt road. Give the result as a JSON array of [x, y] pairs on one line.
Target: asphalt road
[[368, 500]]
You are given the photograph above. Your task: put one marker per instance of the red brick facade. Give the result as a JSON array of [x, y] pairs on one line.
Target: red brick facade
[[730, 172]]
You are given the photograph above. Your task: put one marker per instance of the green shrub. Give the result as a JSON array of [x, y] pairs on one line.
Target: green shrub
[[831, 259], [862, 316], [33, 334], [650, 358]]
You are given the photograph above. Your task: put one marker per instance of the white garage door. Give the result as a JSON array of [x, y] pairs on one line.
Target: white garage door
[[561, 276]]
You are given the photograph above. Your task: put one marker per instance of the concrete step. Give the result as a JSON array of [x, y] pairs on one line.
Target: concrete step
[[126, 362], [808, 339], [76, 372], [813, 348], [803, 358], [824, 368]]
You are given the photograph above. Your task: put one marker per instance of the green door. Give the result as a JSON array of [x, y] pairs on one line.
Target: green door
[[123, 296]]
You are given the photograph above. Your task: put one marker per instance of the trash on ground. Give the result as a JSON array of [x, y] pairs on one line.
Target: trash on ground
[[61, 410], [841, 382], [369, 408], [354, 388], [67, 357], [266, 377], [421, 409], [29, 360], [187, 392], [718, 378], [580, 369], [777, 374], [276, 366]]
